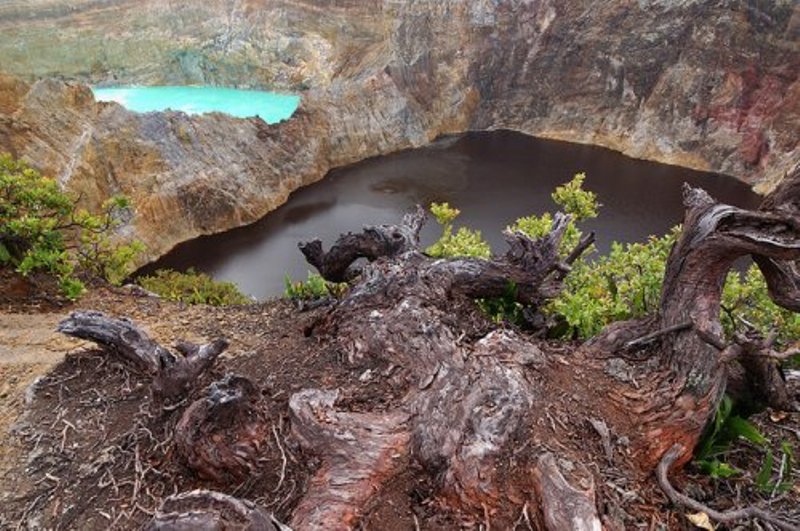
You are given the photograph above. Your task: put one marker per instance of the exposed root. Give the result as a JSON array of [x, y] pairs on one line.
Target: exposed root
[[174, 375], [726, 517], [564, 507], [359, 452], [206, 509], [221, 435]]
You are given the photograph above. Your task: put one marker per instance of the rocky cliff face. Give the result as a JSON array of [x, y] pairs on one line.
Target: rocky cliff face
[[706, 84]]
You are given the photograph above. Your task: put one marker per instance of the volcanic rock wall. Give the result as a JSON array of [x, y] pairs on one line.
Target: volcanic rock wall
[[712, 85]]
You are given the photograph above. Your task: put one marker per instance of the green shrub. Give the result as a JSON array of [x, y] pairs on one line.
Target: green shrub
[[41, 229], [465, 242], [315, 287], [572, 199], [746, 301], [624, 284], [580, 204], [192, 287]]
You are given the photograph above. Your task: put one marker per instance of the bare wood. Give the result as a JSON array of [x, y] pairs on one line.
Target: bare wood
[[456, 436], [121, 336], [726, 517], [564, 507], [602, 430], [173, 374], [372, 243], [210, 510], [177, 379], [783, 281], [359, 452], [657, 334]]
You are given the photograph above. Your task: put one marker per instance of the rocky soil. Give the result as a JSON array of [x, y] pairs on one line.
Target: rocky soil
[[707, 84]]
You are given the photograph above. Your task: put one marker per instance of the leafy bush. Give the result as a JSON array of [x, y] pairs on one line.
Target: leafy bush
[[315, 287], [574, 200], [571, 197], [746, 302], [624, 284], [192, 287], [465, 242], [41, 229]]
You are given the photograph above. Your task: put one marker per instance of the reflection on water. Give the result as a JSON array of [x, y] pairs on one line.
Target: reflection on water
[[493, 177]]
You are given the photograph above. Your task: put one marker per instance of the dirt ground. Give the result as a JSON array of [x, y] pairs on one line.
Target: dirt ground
[[84, 448]]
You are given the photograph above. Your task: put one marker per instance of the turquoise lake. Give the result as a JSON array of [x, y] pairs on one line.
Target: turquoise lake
[[270, 106]]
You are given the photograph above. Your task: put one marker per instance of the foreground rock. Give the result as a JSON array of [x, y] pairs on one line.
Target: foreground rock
[[708, 85]]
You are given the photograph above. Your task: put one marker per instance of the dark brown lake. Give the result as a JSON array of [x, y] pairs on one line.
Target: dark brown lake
[[493, 177]]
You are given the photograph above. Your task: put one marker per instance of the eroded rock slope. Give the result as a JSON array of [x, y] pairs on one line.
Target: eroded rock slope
[[711, 85]]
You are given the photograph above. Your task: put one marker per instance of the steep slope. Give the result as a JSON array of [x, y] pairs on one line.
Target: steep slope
[[711, 85]]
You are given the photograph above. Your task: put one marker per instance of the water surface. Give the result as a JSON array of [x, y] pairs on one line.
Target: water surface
[[493, 177], [270, 106]]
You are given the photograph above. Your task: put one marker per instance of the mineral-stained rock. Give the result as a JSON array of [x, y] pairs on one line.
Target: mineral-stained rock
[[708, 84]]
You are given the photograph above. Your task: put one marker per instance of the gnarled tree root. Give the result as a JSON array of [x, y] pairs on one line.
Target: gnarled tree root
[[174, 375], [221, 436], [359, 452]]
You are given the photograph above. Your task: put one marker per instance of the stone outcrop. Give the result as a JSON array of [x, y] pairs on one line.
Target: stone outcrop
[[711, 85]]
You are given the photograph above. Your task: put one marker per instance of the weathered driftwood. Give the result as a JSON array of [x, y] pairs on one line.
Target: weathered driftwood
[[212, 511], [174, 375], [373, 242]]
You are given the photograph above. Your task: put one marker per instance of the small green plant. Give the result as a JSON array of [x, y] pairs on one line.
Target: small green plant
[[580, 204], [42, 229], [464, 242], [505, 308], [725, 429], [746, 303], [720, 436], [315, 287], [192, 287], [764, 479]]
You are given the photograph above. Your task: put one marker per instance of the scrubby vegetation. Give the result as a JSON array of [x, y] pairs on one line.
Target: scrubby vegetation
[[464, 242], [624, 284], [192, 287], [42, 229], [314, 287]]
